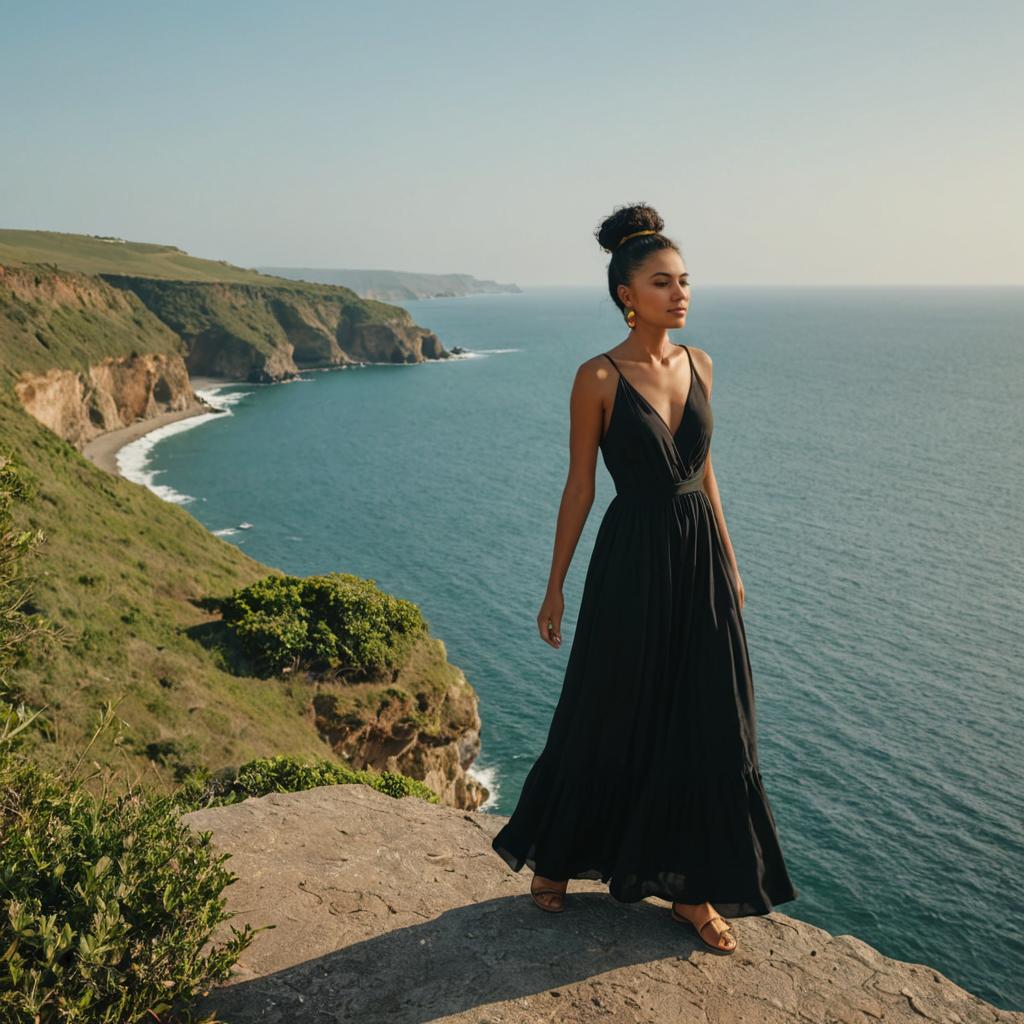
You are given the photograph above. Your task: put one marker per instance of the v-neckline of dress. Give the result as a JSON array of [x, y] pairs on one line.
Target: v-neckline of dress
[[661, 419]]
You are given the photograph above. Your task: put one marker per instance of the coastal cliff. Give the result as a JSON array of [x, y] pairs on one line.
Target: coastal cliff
[[398, 911], [108, 396], [397, 285], [265, 333], [94, 349], [85, 358], [425, 723], [71, 295], [127, 578], [133, 583]]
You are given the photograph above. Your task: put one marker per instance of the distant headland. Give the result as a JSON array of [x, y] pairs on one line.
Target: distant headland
[[395, 285]]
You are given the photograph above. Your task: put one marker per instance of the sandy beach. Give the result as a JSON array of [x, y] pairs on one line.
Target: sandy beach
[[102, 450]]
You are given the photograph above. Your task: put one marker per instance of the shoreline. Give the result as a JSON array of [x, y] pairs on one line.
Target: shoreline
[[102, 450]]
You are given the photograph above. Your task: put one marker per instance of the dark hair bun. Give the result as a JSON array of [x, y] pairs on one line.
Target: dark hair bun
[[623, 221]]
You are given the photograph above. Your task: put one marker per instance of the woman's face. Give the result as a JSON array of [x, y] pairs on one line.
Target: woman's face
[[659, 291]]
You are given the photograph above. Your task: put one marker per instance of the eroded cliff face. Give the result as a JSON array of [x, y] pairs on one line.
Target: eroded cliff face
[[267, 333], [85, 357], [94, 353], [110, 395], [425, 724]]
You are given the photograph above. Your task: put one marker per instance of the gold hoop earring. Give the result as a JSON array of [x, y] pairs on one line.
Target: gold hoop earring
[[631, 317]]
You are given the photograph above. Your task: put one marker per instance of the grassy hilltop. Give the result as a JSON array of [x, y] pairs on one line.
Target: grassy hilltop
[[92, 254]]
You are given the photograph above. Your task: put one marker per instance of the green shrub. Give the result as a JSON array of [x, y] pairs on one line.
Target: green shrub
[[338, 623], [284, 774], [105, 904]]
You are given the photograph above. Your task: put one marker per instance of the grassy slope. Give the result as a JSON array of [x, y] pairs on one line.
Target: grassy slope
[[123, 572], [85, 254], [39, 334]]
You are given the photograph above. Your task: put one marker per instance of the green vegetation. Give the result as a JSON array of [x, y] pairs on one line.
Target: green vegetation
[[289, 775], [90, 254], [338, 623], [122, 576], [17, 627], [131, 585], [107, 904], [54, 251], [73, 323], [69, 301], [108, 901]]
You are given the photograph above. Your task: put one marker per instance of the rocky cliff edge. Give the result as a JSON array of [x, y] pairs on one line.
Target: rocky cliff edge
[[398, 911]]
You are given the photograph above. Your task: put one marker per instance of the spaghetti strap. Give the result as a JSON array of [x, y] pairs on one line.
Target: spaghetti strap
[[612, 361], [693, 370]]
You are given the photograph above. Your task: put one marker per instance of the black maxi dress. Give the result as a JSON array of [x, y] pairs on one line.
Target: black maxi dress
[[649, 779]]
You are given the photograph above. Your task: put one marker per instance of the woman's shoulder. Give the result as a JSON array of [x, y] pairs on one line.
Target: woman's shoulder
[[589, 367], [700, 357]]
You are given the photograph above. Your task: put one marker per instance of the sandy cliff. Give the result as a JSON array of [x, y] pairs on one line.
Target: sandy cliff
[[85, 358], [79, 406]]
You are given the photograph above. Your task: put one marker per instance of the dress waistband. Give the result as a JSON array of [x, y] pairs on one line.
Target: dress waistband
[[690, 484]]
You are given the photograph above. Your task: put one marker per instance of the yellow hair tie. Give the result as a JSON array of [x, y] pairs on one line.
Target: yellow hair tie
[[649, 231]]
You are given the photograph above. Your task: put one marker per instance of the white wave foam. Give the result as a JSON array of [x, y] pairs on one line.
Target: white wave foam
[[486, 776], [133, 458]]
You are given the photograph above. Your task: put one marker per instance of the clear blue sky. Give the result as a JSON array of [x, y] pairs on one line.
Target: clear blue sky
[[817, 143]]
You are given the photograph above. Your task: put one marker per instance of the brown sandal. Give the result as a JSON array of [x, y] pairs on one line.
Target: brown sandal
[[715, 916], [548, 890]]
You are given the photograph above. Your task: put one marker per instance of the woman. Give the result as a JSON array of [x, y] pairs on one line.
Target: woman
[[649, 779]]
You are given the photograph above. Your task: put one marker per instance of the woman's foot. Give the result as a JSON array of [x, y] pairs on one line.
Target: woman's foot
[[712, 928], [548, 894]]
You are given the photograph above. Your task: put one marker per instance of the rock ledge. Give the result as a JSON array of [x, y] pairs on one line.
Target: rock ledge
[[398, 911]]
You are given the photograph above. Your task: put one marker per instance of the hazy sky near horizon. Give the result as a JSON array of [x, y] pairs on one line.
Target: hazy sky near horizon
[[786, 143]]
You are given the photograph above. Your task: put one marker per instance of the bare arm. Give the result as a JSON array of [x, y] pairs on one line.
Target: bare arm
[[586, 422], [711, 488]]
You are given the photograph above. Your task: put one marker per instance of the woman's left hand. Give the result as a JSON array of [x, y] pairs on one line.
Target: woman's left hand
[[738, 584]]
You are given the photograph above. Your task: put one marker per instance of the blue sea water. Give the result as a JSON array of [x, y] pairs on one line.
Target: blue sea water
[[868, 449]]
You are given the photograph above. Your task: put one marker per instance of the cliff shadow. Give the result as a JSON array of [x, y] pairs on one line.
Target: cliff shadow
[[468, 957]]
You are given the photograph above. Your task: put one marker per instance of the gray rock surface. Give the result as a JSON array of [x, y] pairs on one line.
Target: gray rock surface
[[398, 911]]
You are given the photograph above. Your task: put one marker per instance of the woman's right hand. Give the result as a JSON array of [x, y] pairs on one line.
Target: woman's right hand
[[549, 619]]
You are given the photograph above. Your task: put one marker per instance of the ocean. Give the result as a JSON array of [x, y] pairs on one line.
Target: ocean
[[868, 449]]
